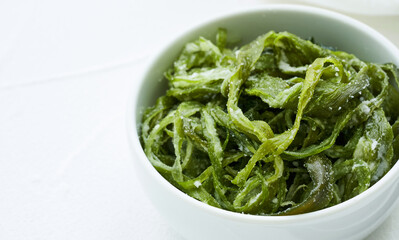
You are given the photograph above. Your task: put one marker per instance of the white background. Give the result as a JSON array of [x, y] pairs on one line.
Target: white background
[[66, 69]]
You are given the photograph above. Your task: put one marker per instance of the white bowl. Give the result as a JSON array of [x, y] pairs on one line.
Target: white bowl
[[353, 219]]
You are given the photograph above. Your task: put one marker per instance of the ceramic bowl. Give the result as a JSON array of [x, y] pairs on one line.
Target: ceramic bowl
[[353, 219]]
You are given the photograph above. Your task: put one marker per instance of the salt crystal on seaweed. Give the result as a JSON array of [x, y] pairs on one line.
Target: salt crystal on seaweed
[[197, 184]]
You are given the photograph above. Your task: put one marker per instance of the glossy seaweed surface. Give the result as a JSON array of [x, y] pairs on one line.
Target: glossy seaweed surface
[[279, 126]]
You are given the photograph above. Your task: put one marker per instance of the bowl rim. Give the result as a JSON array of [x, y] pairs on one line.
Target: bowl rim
[[389, 179]]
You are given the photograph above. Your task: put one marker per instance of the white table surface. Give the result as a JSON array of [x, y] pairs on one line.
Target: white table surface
[[66, 69]]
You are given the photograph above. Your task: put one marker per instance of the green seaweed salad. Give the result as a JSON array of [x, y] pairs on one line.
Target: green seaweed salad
[[279, 126]]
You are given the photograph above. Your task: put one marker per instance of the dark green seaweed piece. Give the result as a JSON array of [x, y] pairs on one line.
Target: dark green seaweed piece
[[321, 193], [279, 126]]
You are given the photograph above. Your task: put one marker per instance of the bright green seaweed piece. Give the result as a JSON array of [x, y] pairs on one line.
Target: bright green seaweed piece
[[278, 126]]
